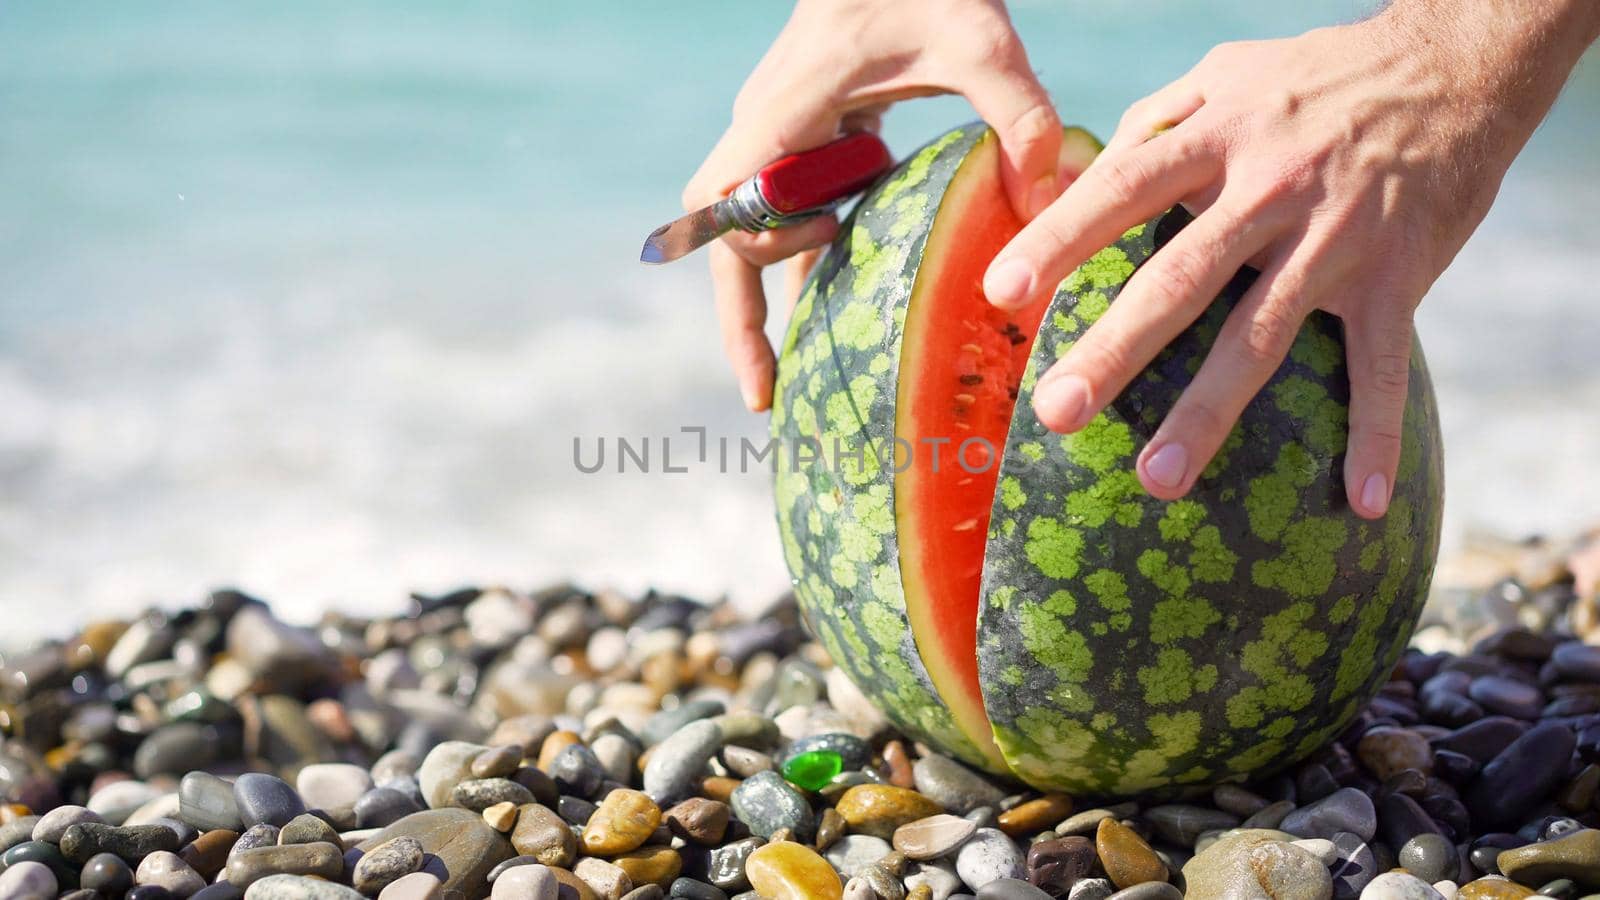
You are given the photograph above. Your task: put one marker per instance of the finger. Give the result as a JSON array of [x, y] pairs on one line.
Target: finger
[[742, 312], [796, 273], [1249, 348], [1112, 196], [1011, 99], [757, 139], [1378, 351], [1154, 114], [1161, 299], [766, 248]]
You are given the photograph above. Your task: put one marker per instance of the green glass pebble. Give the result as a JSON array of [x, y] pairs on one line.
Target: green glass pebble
[[813, 770]]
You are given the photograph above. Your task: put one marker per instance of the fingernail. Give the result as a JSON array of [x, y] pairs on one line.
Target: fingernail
[[1166, 466], [1375, 494], [752, 400], [1064, 400], [1042, 194], [1008, 283]]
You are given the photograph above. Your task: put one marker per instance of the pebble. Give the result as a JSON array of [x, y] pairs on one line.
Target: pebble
[[266, 799], [502, 817], [878, 809], [106, 873], [416, 886], [933, 836], [1399, 886], [1506, 697], [701, 821], [607, 880], [1182, 824], [989, 855], [1387, 751], [1035, 815], [790, 871], [132, 842], [386, 863], [650, 865], [307, 829], [624, 820], [1575, 856], [1058, 864], [466, 846], [1011, 889], [478, 794], [677, 764], [767, 803], [1495, 889], [331, 785], [1150, 890], [952, 785], [116, 801], [297, 887], [170, 872], [1286, 872], [1517, 779], [206, 802], [384, 806], [1127, 859], [1577, 660], [28, 881], [854, 753], [853, 853], [1431, 857], [208, 853], [543, 835], [1346, 809], [533, 882], [576, 771], [1092, 889], [53, 824], [248, 866]]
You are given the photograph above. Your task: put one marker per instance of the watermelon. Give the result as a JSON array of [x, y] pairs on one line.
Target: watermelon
[[1013, 597]]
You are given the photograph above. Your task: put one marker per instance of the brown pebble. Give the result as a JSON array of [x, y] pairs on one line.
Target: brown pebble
[[830, 828], [553, 745], [502, 817], [1127, 859], [1493, 889], [497, 762], [575, 885], [699, 820], [208, 853], [1579, 793], [607, 880], [542, 834], [1386, 750], [920, 892], [898, 762], [878, 809], [780, 834], [623, 821], [1035, 815], [719, 788], [651, 865]]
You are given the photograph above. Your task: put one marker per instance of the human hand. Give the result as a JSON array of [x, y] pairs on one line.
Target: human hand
[[1349, 164], [836, 67]]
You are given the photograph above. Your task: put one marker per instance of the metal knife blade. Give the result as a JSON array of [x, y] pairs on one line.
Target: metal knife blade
[[683, 236]]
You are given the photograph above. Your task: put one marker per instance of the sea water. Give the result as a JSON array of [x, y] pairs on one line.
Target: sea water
[[312, 298]]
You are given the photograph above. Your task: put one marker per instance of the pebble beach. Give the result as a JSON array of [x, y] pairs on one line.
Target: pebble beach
[[568, 744]]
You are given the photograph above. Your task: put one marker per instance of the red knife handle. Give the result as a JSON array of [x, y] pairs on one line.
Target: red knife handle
[[815, 178]]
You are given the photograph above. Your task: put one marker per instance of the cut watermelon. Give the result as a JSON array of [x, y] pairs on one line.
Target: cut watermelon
[[962, 361]]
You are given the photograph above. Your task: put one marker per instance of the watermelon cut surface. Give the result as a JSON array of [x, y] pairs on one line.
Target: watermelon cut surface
[[962, 362]]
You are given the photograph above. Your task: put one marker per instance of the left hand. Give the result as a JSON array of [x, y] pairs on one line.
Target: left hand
[[1349, 163]]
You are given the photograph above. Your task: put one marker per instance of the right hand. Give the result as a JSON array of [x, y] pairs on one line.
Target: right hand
[[835, 68]]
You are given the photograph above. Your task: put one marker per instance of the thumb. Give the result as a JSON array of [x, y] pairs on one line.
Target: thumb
[[1008, 96]]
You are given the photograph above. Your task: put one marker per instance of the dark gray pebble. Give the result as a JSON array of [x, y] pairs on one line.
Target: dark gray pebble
[[106, 873], [689, 889], [1521, 776], [1507, 697], [149, 892], [47, 854], [307, 829], [266, 799], [1482, 740], [222, 890], [175, 748], [131, 842], [1430, 857], [512, 863], [384, 806], [1400, 819], [726, 869], [575, 810], [661, 725], [385, 863], [577, 771], [1354, 865], [766, 803], [478, 794]]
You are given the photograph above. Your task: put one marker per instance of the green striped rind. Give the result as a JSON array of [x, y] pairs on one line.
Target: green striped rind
[[1129, 644], [836, 383]]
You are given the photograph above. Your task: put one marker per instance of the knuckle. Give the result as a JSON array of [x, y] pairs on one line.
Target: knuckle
[[1125, 178], [1265, 338], [1176, 281], [1391, 373], [1033, 126], [990, 44]]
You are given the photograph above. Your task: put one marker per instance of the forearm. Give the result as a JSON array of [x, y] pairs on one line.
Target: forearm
[[1506, 59]]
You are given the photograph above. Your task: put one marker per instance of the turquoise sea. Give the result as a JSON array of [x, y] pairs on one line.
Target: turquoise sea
[[313, 297]]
